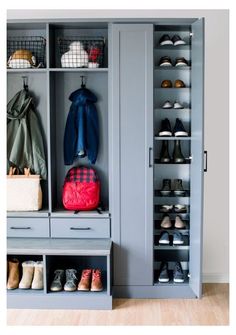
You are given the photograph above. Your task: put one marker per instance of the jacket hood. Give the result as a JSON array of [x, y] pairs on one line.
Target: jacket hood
[[18, 106], [83, 96]]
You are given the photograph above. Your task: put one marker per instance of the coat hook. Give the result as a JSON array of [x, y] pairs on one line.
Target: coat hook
[[82, 82], [25, 82]]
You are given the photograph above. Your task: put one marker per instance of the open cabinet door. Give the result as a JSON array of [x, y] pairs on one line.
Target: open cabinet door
[[197, 153]]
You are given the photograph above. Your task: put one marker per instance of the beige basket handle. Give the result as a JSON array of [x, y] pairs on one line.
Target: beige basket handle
[[27, 172], [12, 171]]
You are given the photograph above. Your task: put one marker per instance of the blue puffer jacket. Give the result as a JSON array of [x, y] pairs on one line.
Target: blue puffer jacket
[[81, 132]]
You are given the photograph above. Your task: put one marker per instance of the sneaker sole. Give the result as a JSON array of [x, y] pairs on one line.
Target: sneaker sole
[[181, 133], [164, 280], [168, 42], [179, 192], [164, 242], [69, 290], [179, 43], [165, 133], [165, 64], [55, 289], [178, 280], [165, 192], [181, 64]]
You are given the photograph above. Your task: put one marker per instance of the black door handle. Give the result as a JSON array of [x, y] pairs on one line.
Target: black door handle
[[205, 160], [150, 157]]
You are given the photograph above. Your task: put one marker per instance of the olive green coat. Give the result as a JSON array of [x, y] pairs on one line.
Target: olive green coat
[[24, 140]]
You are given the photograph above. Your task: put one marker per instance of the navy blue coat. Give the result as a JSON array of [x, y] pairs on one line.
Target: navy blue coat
[[81, 132]]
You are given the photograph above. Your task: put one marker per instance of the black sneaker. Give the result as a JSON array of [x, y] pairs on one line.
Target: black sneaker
[[165, 128], [164, 275], [164, 238], [181, 61], [165, 40], [178, 273], [165, 61], [177, 40], [178, 187], [166, 187], [179, 129]]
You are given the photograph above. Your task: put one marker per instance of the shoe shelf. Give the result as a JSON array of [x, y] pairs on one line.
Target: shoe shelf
[[171, 246], [158, 210], [172, 47], [172, 138], [158, 161], [157, 193], [39, 70], [171, 110], [81, 69], [171, 279], [62, 213], [172, 68], [172, 89], [158, 228]]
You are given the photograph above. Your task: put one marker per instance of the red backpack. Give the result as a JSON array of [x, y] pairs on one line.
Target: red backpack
[[81, 189]]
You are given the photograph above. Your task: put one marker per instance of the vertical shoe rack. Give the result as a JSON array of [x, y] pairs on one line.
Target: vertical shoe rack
[[170, 253]]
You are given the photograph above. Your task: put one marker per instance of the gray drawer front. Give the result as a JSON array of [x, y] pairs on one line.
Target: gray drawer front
[[80, 228], [28, 227]]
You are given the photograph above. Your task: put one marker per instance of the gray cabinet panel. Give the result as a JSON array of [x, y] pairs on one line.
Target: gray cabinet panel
[[28, 227], [132, 86], [80, 228], [196, 200]]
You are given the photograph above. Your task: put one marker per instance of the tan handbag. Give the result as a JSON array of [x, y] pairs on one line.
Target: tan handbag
[[24, 192]]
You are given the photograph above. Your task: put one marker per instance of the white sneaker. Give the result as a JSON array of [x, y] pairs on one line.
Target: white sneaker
[[167, 105], [178, 105]]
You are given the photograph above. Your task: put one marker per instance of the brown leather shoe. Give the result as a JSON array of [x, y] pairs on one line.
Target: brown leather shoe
[[179, 83], [96, 285], [84, 284], [166, 84], [14, 276]]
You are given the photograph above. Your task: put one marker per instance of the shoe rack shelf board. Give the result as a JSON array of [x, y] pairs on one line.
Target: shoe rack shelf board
[[77, 251]]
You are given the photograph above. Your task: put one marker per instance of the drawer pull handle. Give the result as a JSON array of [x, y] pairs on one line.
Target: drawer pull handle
[[75, 228], [20, 228]]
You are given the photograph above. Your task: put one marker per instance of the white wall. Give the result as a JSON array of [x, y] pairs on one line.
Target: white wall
[[216, 202]]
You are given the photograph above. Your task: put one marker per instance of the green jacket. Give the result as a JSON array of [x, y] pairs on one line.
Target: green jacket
[[24, 139]]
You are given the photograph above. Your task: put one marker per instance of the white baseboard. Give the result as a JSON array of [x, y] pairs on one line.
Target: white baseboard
[[215, 278]]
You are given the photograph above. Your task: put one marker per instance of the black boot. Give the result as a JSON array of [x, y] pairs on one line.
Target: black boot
[[165, 156], [177, 154]]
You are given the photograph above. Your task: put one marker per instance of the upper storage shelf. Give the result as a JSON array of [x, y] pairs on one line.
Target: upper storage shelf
[[78, 46]]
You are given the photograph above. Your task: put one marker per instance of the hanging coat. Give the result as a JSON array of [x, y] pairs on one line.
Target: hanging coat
[[24, 139], [81, 136]]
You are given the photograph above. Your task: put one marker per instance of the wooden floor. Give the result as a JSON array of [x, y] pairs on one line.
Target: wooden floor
[[212, 309]]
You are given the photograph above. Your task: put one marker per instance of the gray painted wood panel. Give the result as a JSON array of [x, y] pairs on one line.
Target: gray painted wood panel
[[38, 246], [132, 87], [80, 228], [28, 227], [196, 200]]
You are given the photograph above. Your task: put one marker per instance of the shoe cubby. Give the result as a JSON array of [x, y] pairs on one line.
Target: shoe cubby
[[171, 265], [79, 263], [170, 170], [70, 32], [64, 254]]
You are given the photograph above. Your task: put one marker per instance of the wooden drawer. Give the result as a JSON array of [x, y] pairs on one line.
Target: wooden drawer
[[80, 228], [28, 227]]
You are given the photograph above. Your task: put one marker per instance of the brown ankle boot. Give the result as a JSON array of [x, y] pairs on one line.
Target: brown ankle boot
[[84, 284], [96, 281], [13, 277]]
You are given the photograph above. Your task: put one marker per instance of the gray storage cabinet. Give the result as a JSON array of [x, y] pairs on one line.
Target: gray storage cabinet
[[123, 239]]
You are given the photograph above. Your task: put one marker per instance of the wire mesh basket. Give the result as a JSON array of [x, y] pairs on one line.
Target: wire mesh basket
[[81, 51], [26, 52]]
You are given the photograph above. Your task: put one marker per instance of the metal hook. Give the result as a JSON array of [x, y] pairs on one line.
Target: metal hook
[[25, 82], [82, 81]]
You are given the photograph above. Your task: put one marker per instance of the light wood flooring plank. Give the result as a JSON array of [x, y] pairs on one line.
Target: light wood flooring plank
[[212, 309]]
